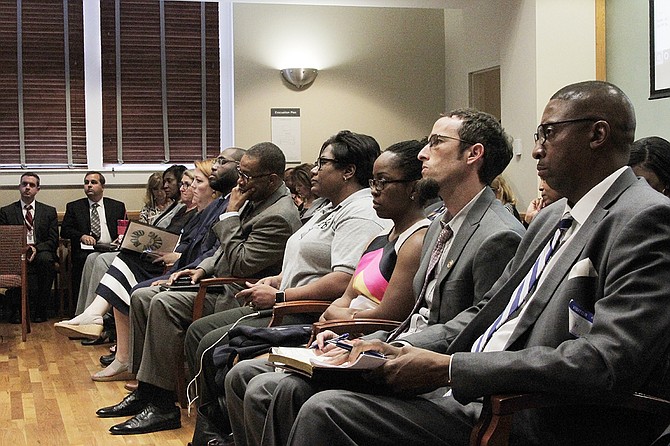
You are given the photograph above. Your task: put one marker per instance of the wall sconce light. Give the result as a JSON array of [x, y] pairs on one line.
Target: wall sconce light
[[299, 77]]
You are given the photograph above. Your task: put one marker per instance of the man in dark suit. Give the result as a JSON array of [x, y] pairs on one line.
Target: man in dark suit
[[88, 221], [253, 231], [595, 322], [484, 237], [41, 223]]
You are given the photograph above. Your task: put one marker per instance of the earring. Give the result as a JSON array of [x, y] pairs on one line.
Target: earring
[[345, 178], [411, 197]]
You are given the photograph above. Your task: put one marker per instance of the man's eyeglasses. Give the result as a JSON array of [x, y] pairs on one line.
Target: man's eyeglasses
[[544, 130], [320, 161], [381, 183], [222, 161], [250, 177], [435, 139]]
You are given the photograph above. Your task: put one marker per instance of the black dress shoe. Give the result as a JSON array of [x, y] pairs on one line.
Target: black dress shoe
[[106, 360], [128, 406], [151, 419], [106, 337]]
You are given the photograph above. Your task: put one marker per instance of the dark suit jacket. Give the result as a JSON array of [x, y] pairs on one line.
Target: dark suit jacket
[[622, 253], [45, 224], [77, 221]]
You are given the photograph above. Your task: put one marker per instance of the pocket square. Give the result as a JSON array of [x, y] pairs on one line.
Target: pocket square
[[583, 268]]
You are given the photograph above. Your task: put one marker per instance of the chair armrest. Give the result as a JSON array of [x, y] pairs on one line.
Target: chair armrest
[[495, 422], [199, 301], [296, 306]]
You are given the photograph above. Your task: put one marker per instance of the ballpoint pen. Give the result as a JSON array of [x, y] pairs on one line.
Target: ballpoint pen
[[338, 343], [339, 338]]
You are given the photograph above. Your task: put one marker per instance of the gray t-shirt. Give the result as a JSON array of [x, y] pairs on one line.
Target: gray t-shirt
[[332, 240]]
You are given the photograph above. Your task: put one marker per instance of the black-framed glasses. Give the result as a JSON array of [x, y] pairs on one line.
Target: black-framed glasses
[[222, 161], [435, 139], [380, 184], [320, 161], [185, 184], [544, 130], [250, 177]]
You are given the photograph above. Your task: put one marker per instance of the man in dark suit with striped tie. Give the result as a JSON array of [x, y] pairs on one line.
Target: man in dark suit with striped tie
[[88, 221], [41, 224]]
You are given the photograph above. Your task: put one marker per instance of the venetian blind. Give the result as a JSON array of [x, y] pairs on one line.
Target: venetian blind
[[42, 117], [160, 80]]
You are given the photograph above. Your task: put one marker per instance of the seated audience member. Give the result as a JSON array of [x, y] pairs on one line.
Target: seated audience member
[[41, 222], [504, 193], [155, 199], [253, 231], [299, 181], [128, 269], [547, 196], [320, 257], [173, 219], [88, 221], [463, 254], [593, 324], [650, 158]]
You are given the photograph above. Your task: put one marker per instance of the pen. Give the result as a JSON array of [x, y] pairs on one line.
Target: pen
[[349, 347], [341, 337]]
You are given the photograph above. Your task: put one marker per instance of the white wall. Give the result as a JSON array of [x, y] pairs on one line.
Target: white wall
[[628, 64]]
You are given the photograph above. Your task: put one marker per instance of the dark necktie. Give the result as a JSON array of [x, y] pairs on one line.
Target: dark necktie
[[95, 221], [445, 235], [29, 217], [527, 285]]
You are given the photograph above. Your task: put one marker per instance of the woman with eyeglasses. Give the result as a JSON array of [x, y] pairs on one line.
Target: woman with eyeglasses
[[381, 286]]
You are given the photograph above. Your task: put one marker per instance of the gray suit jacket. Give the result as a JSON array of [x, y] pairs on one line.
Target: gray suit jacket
[[255, 246], [625, 244]]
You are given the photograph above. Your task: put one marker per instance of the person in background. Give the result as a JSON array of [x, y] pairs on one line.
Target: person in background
[[299, 181], [88, 221], [155, 199], [504, 193], [650, 158], [547, 196], [41, 222]]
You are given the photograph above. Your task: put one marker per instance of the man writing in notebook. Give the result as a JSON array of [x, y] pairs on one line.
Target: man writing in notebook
[[581, 309]]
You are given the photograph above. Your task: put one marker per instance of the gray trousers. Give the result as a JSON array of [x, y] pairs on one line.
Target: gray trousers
[[96, 265], [158, 322], [274, 408]]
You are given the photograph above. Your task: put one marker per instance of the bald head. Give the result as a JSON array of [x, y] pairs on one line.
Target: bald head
[[605, 101]]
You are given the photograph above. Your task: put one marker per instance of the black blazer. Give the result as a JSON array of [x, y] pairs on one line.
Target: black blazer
[[45, 224], [77, 220]]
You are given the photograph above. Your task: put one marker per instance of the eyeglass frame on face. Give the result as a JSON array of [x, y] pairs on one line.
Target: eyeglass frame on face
[[248, 178], [379, 184], [217, 161], [434, 140], [183, 184], [542, 132], [321, 160]]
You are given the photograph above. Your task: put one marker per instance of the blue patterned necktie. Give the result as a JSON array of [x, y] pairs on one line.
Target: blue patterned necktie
[[527, 285]]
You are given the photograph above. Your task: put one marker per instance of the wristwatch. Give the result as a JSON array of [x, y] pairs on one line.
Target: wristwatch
[[280, 297]]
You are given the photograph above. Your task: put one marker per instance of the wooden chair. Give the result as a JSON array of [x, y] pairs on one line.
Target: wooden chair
[[495, 422], [14, 268]]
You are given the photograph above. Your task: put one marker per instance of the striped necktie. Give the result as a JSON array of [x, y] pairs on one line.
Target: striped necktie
[[527, 285], [29, 217], [95, 221]]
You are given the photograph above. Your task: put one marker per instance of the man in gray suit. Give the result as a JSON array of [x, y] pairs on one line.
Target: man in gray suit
[[470, 245], [595, 322], [253, 232]]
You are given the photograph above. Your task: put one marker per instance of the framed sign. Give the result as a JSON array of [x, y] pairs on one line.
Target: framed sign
[[659, 48]]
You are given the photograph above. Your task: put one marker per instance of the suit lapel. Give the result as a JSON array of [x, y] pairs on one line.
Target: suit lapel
[[470, 224], [569, 256]]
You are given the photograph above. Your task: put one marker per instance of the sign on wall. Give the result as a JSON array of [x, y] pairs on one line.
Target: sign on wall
[[286, 131]]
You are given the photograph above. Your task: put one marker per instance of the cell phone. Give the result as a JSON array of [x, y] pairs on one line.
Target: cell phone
[[182, 281]]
